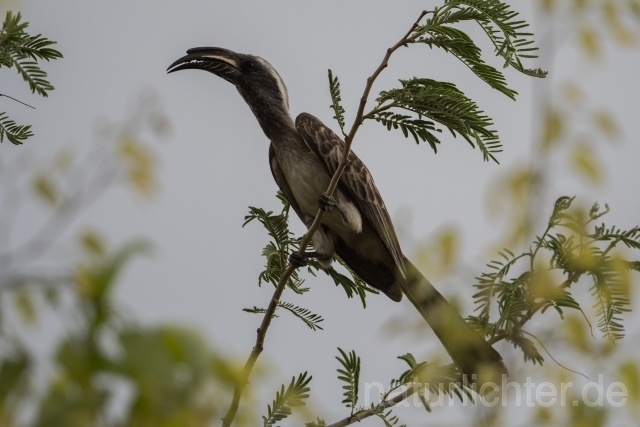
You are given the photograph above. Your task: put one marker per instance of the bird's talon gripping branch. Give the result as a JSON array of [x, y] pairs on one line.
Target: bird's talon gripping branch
[[297, 260], [326, 202]]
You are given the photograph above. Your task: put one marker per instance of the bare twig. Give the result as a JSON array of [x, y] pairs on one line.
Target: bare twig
[[306, 239], [551, 356], [17, 100]]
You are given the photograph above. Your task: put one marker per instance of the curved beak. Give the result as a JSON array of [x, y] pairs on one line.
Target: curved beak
[[216, 60]]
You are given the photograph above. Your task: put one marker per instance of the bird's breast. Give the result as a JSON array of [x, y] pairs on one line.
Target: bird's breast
[[308, 179]]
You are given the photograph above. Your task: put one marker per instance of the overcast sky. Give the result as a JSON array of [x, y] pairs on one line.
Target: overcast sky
[[205, 267]]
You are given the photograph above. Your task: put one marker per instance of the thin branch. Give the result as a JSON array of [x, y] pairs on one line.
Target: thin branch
[[10, 97], [359, 416], [306, 239]]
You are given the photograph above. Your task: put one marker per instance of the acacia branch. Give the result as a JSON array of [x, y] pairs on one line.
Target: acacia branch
[[385, 404], [306, 239]]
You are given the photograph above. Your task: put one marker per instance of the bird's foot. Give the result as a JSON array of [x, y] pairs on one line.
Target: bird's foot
[[297, 260], [326, 202]]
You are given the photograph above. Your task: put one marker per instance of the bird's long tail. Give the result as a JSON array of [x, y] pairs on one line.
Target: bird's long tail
[[471, 353]]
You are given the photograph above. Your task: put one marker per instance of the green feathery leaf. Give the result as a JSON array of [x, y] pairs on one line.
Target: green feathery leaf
[[20, 50], [389, 418], [350, 375], [499, 23], [277, 251], [310, 319], [16, 134], [293, 396], [527, 347], [336, 106], [504, 29], [611, 295], [317, 423], [443, 103], [352, 286]]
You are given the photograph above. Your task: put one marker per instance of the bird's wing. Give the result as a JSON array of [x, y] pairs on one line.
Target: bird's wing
[[356, 181], [278, 176]]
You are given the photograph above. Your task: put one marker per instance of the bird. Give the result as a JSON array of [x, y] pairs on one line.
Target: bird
[[356, 226]]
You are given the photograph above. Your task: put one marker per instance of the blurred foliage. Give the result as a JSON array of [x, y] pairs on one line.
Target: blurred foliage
[[105, 368]]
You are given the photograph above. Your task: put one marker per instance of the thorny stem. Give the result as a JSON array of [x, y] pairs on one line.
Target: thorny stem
[[306, 239]]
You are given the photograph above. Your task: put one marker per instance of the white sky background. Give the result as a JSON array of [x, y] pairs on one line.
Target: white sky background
[[205, 267]]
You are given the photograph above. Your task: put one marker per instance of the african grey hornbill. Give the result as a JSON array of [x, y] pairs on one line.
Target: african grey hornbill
[[303, 156]]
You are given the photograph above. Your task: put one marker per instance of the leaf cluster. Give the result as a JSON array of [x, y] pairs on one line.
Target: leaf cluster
[[294, 395], [349, 374], [572, 246], [282, 243], [15, 133], [421, 378], [310, 319], [22, 51], [499, 22], [420, 102], [440, 102], [336, 99]]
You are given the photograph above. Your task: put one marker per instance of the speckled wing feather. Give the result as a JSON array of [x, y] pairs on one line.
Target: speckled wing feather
[[356, 181]]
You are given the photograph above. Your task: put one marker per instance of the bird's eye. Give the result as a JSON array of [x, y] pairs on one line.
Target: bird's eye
[[249, 66]]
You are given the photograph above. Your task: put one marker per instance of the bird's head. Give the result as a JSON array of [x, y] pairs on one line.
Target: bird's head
[[257, 81]]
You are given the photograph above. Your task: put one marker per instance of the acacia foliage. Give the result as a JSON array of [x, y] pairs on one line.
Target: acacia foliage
[[22, 51]]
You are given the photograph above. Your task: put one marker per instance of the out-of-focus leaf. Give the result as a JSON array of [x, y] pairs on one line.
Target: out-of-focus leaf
[[590, 43], [95, 281], [45, 189], [576, 333], [439, 255], [580, 5], [629, 375], [67, 404], [553, 128], [573, 94], [548, 5], [543, 415], [13, 375], [585, 162], [78, 360], [583, 415], [140, 165], [606, 123], [64, 160], [52, 295], [617, 28], [25, 306], [634, 5], [92, 243], [171, 368]]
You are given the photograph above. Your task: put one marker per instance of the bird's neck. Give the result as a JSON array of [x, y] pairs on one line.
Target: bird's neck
[[275, 122], [272, 113]]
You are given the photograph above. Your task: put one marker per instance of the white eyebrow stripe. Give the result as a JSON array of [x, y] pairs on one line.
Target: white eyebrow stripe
[[281, 86], [229, 61]]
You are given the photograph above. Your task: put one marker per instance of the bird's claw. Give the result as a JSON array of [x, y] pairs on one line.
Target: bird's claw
[[297, 260], [326, 202]]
